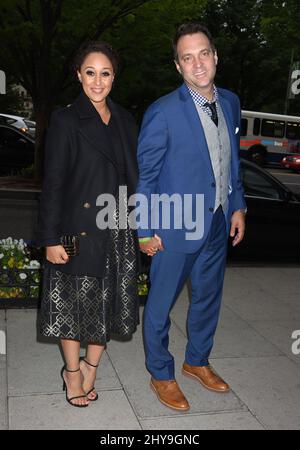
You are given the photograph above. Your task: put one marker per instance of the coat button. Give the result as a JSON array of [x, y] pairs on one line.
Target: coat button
[[211, 209], [87, 205], [213, 185], [83, 233]]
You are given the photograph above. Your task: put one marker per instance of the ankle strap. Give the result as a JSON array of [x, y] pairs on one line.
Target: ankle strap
[[83, 359], [67, 370]]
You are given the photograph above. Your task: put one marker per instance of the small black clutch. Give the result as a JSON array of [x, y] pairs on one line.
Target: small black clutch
[[70, 244]]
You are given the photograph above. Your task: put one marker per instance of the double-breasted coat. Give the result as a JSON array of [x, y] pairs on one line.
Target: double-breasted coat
[[79, 166]]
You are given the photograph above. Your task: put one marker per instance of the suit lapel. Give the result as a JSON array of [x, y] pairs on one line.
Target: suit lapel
[[195, 124], [226, 108], [227, 111]]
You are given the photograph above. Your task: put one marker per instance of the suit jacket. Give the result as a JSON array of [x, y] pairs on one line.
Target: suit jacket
[[173, 158], [79, 166]]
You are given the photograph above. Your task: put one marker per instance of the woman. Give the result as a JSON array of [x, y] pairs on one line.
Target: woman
[[90, 150]]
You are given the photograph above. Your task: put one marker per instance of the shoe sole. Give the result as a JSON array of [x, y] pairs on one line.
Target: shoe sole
[[165, 403], [194, 377]]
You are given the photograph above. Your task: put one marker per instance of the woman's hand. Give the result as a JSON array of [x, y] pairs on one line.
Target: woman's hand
[[56, 254]]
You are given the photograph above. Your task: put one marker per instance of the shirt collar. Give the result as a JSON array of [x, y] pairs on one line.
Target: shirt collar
[[199, 99]]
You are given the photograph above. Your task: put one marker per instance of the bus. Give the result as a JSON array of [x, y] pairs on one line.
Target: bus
[[268, 138]]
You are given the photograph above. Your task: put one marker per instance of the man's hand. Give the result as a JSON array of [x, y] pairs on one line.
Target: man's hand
[[151, 246], [56, 254], [237, 223]]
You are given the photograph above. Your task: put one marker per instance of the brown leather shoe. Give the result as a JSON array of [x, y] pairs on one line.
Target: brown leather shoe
[[207, 377], [169, 393]]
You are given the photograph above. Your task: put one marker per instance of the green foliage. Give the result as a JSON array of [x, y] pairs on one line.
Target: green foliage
[[254, 39]]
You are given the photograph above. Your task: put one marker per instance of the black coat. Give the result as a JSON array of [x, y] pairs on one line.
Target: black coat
[[79, 166]]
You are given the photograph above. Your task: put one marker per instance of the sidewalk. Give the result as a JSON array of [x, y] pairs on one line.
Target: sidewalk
[[252, 352]]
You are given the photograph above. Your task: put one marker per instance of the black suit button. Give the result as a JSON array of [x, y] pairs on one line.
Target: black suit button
[[213, 185], [211, 209]]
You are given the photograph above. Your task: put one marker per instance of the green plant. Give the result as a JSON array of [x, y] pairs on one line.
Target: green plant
[[143, 284], [19, 274]]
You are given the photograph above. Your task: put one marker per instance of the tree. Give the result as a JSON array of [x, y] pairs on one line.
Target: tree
[[39, 39], [280, 25], [144, 41], [253, 39]]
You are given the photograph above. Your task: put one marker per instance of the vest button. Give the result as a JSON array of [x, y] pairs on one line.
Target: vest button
[[83, 233], [86, 205]]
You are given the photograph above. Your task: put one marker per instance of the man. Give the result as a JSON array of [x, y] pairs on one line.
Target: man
[[189, 144]]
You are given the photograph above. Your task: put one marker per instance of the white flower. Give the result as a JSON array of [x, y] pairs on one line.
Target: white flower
[[1, 255], [34, 264], [23, 276]]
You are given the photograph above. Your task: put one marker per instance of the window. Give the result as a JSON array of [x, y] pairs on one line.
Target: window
[[272, 128], [244, 124], [256, 126], [12, 139], [257, 185], [293, 130]]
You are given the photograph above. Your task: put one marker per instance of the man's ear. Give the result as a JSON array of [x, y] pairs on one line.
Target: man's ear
[[216, 57], [177, 66]]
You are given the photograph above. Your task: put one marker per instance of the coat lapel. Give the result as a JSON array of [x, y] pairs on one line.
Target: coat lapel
[[92, 127], [128, 135]]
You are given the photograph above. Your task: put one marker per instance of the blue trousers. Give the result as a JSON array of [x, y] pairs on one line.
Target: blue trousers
[[169, 271]]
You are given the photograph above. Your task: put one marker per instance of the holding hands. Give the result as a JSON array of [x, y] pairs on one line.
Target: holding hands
[[150, 246]]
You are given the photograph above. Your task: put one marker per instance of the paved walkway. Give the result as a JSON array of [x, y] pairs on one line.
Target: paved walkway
[[253, 352]]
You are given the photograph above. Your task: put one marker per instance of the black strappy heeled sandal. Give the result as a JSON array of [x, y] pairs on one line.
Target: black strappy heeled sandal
[[93, 388], [69, 400]]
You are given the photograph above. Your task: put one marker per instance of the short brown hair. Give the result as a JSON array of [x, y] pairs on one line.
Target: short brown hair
[[191, 28], [98, 47]]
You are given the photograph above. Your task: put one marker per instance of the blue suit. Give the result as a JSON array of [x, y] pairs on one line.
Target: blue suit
[[173, 158]]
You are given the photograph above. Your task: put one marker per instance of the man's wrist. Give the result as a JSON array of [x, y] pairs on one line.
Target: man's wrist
[[242, 210], [144, 240]]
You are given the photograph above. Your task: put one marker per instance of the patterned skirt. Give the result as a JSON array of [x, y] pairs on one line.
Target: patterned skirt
[[92, 309]]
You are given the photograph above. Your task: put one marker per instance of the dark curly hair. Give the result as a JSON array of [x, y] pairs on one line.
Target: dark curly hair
[[98, 47]]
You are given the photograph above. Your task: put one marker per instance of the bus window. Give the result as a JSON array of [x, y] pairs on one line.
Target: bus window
[[244, 129], [256, 126], [272, 128], [293, 130]]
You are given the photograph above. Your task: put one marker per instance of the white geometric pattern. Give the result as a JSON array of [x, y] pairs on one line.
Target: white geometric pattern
[[90, 309]]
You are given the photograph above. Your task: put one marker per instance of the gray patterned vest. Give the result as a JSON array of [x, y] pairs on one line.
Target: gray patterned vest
[[218, 143]]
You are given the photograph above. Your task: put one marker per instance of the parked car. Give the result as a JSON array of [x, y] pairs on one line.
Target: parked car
[[31, 127], [23, 124], [273, 218], [291, 162], [16, 150]]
